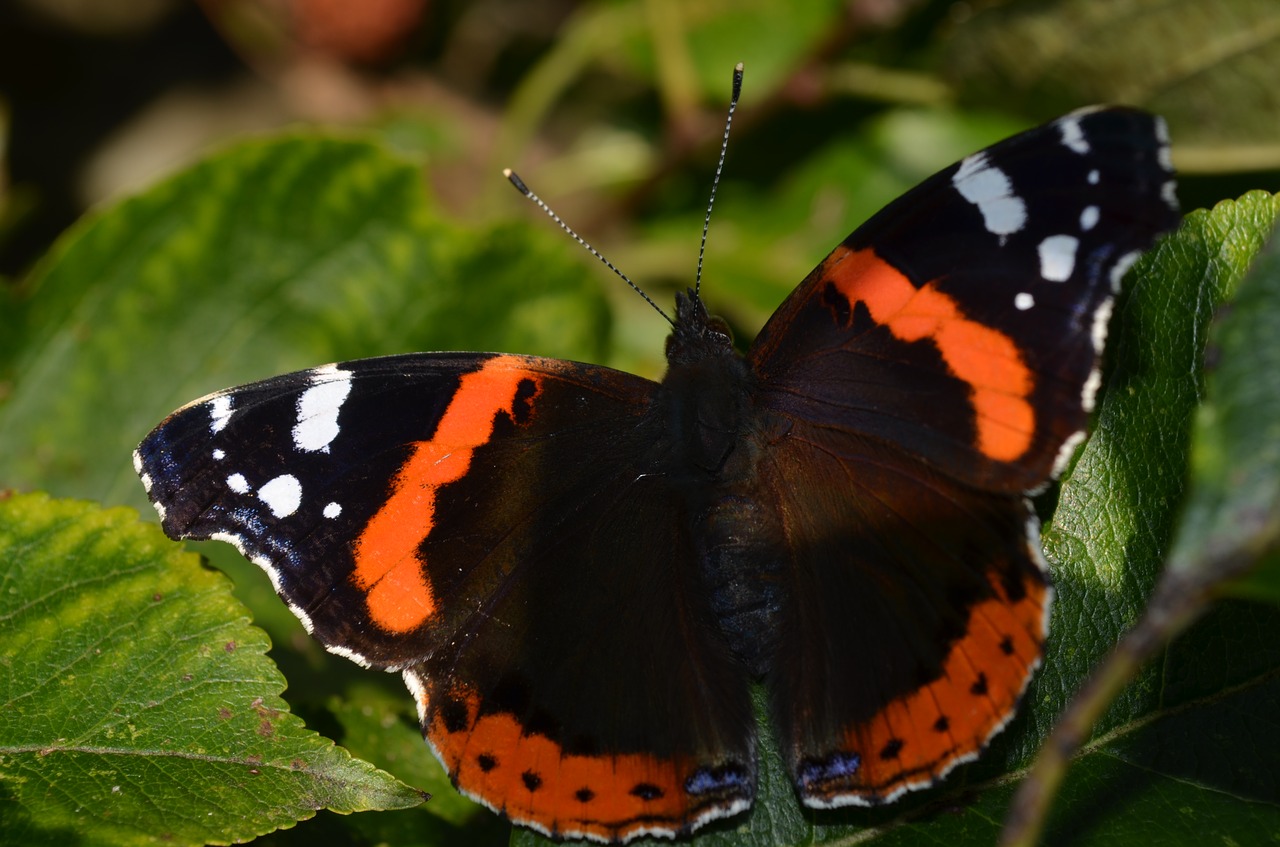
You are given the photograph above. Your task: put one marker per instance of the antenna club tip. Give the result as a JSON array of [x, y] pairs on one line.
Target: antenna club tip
[[737, 69], [516, 181], [737, 83]]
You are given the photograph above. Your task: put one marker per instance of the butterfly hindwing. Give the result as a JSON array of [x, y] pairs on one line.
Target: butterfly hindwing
[[452, 516], [917, 614]]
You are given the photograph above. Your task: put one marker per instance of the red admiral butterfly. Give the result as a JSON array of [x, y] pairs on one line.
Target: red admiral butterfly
[[581, 573]]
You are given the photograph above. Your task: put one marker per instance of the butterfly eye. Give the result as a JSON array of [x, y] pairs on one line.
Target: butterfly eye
[[719, 326]]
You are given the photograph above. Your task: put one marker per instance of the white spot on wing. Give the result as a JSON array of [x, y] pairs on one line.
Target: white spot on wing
[[1089, 218], [1169, 193], [1162, 135], [1073, 135], [298, 611], [1094, 176], [1101, 320], [219, 412], [1023, 301], [1067, 450], [283, 495], [1121, 268], [1058, 257], [344, 652], [237, 483], [419, 693], [332, 510], [989, 188], [137, 468], [219, 455], [237, 542], [268, 567], [1089, 393], [318, 409]]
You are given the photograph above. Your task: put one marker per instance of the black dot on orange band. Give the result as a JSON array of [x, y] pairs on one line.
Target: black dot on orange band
[[454, 715], [584, 795], [521, 408], [1006, 645], [531, 780], [942, 724], [892, 749], [646, 791], [837, 303], [486, 762], [1014, 588], [979, 688]]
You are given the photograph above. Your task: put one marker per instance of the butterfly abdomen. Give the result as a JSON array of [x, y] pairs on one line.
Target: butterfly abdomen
[[742, 570]]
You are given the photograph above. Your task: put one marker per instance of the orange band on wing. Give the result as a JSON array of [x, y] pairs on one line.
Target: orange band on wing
[[988, 360], [529, 778], [916, 739], [387, 563]]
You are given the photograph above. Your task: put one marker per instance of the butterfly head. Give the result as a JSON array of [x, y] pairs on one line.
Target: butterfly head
[[696, 335]]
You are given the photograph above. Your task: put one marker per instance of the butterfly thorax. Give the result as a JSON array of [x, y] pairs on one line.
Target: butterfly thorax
[[705, 397], [716, 440]]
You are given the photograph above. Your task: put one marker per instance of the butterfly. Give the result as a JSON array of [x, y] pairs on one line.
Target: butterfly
[[582, 573]]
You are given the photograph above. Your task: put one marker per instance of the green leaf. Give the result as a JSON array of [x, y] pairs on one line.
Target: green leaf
[[138, 707], [770, 39], [1233, 515], [689, 48]]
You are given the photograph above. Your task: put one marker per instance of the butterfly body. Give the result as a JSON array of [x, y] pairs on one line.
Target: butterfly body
[[582, 573]]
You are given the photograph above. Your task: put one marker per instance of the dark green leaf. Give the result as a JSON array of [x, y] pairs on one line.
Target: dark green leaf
[[1233, 515]]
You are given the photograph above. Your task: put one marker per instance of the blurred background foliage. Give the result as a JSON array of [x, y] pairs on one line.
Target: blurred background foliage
[[612, 111]]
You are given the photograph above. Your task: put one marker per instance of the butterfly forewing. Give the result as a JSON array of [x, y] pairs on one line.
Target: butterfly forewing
[[963, 323]]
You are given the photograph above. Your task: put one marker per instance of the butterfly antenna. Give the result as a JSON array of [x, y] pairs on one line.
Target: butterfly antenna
[[524, 189], [715, 182]]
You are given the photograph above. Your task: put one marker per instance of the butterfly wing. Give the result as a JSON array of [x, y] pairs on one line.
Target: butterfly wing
[[964, 321], [938, 364], [918, 612], [489, 525]]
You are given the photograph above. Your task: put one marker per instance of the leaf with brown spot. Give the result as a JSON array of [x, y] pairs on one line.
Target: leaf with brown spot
[[118, 723]]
